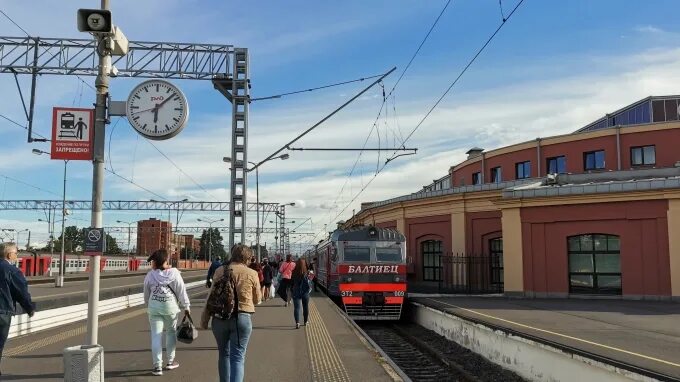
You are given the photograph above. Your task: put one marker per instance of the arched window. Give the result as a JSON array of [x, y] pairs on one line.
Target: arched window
[[594, 264], [432, 264]]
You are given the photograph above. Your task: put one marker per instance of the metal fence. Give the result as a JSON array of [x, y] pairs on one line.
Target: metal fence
[[464, 274]]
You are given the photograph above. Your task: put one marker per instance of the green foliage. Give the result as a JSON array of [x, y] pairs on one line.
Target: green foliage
[[217, 246]]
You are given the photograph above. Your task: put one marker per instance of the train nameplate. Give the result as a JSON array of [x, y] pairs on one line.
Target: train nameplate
[[394, 269]]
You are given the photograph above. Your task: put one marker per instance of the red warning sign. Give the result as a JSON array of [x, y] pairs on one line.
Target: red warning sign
[[72, 133]]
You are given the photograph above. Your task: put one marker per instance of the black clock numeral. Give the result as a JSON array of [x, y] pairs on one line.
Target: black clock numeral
[[176, 98], [137, 96], [169, 90], [157, 85], [175, 119], [178, 108], [134, 107], [146, 89], [135, 118]]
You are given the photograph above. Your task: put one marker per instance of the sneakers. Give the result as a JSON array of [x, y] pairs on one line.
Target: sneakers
[[306, 323], [157, 370], [172, 365], [297, 325]]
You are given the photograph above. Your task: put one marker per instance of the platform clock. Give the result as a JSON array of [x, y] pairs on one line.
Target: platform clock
[[157, 109]]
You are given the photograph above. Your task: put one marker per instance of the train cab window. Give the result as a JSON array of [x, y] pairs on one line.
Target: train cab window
[[357, 254], [388, 255]]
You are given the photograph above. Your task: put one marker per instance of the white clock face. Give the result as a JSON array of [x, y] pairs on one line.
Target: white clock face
[[157, 109]]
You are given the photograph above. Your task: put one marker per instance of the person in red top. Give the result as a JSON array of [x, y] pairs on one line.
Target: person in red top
[[285, 286]]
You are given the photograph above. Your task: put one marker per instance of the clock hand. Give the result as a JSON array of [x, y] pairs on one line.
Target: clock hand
[[165, 100], [155, 115], [141, 111]]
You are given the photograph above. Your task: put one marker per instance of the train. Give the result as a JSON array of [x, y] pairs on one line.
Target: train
[[364, 269]]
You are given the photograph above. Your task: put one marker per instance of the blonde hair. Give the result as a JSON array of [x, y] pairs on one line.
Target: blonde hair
[[241, 254], [5, 248]]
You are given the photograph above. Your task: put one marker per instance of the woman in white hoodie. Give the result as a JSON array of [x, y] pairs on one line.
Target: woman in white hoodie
[[164, 294]]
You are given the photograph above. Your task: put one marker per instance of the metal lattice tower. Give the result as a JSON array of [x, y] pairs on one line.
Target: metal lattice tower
[[237, 90]]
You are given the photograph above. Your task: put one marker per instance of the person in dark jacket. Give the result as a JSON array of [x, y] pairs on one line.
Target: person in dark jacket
[[300, 289], [13, 289], [211, 271], [268, 273]]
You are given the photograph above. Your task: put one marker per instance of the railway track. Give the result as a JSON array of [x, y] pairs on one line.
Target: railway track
[[412, 356]]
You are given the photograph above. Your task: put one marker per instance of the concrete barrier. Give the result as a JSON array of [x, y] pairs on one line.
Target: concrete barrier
[[530, 359], [50, 318]]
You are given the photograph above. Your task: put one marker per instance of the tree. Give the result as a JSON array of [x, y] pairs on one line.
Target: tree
[[217, 246], [112, 246], [73, 237]]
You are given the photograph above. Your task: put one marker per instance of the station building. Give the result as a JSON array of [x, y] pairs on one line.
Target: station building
[[593, 212]]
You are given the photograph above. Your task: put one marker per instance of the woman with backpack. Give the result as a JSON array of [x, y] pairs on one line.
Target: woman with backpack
[[268, 277], [165, 296], [301, 289], [231, 302], [286, 273]]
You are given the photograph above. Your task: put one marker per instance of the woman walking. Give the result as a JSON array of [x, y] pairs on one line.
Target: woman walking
[[164, 294], [286, 271], [232, 334], [301, 289], [268, 274]]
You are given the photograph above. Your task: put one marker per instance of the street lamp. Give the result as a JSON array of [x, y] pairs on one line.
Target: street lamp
[[129, 224], [59, 281], [210, 223], [257, 196]]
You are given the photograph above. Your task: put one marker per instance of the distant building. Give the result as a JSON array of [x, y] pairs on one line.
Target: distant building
[[154, 234]]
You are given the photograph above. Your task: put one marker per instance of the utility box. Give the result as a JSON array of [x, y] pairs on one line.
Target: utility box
[[84, 363]]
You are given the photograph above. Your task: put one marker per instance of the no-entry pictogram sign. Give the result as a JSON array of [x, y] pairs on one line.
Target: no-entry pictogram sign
[[72, 133]]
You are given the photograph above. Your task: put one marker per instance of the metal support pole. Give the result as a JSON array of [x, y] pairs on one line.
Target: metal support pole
[[128, 247], [257, 212], [34, 76], [210, 243], [102, 85], [59, 281]]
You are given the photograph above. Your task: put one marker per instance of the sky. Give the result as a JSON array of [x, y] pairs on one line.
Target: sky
[[554, 67]]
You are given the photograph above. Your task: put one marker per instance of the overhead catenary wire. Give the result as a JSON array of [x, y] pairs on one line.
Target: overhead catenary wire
[[135, 184], [13, 22], [29, 185], [316, 88], [429, 112], [377, 118], [20, 125], [182, 171]]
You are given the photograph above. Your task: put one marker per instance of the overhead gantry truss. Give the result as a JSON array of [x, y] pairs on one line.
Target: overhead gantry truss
[[145, 59], [138, 205], [187, 230]]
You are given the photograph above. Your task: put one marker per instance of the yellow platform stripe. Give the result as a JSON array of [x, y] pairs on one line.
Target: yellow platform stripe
[[560, 334], [326, 362]]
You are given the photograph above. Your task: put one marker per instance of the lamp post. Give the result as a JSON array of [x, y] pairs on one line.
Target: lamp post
[[129, 224], [59, 281], [210, 223], [257, 196]]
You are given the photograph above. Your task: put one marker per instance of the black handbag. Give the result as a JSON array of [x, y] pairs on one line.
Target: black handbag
[[186, 331]]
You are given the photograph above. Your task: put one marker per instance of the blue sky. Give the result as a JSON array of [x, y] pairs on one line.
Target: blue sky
[[553, 68]]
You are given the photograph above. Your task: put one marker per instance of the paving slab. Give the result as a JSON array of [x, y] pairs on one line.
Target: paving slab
[[327, 349]]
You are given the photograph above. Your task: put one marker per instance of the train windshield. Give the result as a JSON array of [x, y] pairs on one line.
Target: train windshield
[[357, 254], [388, 255]]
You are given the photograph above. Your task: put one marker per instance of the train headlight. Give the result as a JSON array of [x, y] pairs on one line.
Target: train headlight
[[397, 279], [348, 279]]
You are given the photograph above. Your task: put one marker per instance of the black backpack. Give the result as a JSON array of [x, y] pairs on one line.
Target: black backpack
[[223, 300]]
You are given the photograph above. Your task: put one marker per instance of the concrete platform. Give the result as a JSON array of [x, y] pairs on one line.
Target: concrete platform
[[46, 296], [326, 350], [643, 334]]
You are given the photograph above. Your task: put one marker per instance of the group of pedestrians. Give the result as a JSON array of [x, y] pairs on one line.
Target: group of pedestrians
[[236, 287]]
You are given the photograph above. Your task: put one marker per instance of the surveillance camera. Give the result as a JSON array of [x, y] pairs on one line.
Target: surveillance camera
[[113, 72]]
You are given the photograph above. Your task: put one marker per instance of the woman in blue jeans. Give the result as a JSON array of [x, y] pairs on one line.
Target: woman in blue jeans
[[232, 335], [301, 289]]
